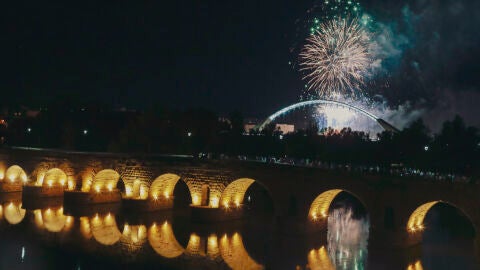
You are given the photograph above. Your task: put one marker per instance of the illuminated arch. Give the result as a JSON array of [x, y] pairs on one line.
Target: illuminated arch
[[163, 241], [52, 177], [15, 173], [317, 102], [235, 255], [416, 220], [163, 185], [105, 230], [234, 193], [105, 180], [320, 206], [52, 220], [14, 213]]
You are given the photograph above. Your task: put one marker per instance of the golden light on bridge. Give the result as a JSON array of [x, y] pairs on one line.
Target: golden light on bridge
[[52, 177], [16, 174], [195, 199], [105, 180], [234, 193], [321, 204], [215, 201], [415, 222], [161, 186]]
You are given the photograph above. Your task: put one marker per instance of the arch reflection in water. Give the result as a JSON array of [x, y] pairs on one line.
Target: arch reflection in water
[[415, 266], [234, 253], [12, 212], [319, 259], [347, 240], [133, 237], [52, 219], [103, 229], [163, 241], [229, 247]]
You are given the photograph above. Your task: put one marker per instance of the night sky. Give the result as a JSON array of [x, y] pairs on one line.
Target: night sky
[[225, 55]]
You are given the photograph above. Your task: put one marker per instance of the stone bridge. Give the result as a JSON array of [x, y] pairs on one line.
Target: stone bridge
[[301, 197]]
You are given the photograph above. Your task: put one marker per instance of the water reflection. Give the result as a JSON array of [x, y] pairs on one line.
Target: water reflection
[[53, 220], [104, 229], [415, 266], [12, 212], [155, 240], [347, 239], [163, 241]]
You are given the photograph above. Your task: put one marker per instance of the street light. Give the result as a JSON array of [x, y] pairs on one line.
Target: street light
[[85, 132]]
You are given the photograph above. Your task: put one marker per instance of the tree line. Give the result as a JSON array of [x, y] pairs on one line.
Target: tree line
[[455, 149]]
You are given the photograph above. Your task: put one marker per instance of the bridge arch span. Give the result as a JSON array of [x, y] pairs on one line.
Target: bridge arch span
[[316, 102], [104, 180], [234, 193], [163, 185], [416, 220], [52, 177], [16, 174], [319, 208]]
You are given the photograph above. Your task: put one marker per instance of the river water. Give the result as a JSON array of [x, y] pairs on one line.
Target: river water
[[50, 238]]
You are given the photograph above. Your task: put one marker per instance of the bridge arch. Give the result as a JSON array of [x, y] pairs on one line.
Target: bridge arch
[[163, 241], [319, 208], [234, 193], [15, 173], [105, 180], [163, 185], [416, 221], [316, 102], [52, 177]]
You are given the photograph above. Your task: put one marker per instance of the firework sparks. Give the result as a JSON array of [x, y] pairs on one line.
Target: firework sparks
[[336, 58]]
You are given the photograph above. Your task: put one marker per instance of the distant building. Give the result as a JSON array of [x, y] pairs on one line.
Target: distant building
[[285, 128], [249, 126]]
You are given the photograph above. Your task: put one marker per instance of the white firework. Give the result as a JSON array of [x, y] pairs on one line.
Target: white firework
[[336, 58]]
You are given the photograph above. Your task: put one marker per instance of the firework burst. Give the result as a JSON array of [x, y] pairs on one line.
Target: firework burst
[[336, 58]]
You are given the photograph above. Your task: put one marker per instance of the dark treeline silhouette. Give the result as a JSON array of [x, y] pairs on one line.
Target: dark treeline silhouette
[[66, 125]]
